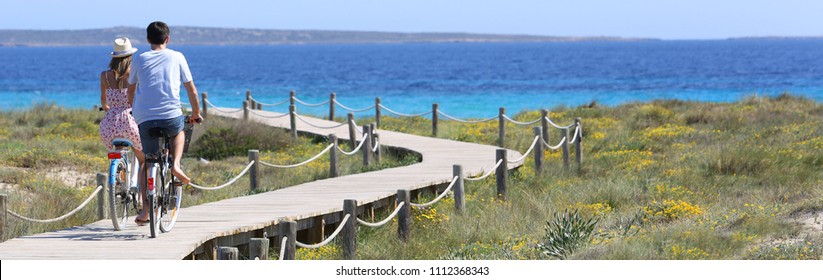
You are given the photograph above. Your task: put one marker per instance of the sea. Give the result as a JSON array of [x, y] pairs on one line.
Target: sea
[[466, 80]]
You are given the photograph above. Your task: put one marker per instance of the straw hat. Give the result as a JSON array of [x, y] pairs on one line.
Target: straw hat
[[122, 47]]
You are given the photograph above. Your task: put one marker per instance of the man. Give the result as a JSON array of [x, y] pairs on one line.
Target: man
[[157, 75]]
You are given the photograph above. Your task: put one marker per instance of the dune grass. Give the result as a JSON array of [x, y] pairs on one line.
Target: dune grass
[[662, 180], [40, 141]]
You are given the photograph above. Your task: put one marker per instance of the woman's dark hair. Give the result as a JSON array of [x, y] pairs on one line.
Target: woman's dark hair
[[157, 32]]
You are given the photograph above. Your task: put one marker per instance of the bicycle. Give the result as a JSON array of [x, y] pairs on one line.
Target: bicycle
[[122, 184], [164, 191]]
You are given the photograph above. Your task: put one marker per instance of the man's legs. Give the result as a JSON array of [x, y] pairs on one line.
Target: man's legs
[[177, 150]]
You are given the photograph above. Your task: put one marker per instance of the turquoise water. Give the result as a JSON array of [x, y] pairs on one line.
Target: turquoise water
[[466, 80]]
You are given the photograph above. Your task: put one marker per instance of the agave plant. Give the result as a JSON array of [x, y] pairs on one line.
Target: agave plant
[[567, 233]]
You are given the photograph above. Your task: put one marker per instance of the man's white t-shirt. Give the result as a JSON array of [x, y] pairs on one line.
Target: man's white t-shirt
[[158, 75]]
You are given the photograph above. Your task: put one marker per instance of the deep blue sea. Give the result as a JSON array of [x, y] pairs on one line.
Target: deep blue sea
[[466, 79]]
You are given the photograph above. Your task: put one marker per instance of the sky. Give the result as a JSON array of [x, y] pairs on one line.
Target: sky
[[663, 19]]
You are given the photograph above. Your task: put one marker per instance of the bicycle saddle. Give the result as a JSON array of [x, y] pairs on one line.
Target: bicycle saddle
[[120, 142]]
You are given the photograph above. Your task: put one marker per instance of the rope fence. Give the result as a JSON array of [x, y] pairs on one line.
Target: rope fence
[[438, 198], [232, 181], [329, 239], [384, 221], [63, 217], [302, 163]]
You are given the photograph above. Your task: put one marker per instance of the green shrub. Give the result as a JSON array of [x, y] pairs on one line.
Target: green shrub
[[567, 233]]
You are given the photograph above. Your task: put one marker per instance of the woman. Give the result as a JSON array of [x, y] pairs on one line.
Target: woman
[[117, 99]]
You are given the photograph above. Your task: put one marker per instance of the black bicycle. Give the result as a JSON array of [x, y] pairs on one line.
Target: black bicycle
[[164, 192]]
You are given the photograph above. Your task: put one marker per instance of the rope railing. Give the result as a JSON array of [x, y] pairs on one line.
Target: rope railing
[[529, 151], [376, 146], [332, 236], [214, 107], [465, 121], [353, 110], [355, 149], [258, 113], [72, 212], [491, 171], [520, 123], [441, 196], [302, 163], [270, 104], [555, 147], [317, 126], [311, 104], [574, 138], [384, 221], [251, 163], [283, 247], [404, 115], [557, 126]]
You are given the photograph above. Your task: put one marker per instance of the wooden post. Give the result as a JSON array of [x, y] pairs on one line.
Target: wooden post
[[245, 110], [502, 173], [288, 229], [538, 150], [435, 107], [501, 127], [4, 206], [367, 145], [349, 233], [252, 103], [248, 95], [293, 121], [259, 106], [317, 231], [352, 135], [102, 179], [291, 98], [204, 106], [578, 145], [331, 106], [377, 111], [544, 122], [404, 216], [227, 253], [459, 194], [333, 171], [254, 172], [564, 133], [377, 143], [259, 249]]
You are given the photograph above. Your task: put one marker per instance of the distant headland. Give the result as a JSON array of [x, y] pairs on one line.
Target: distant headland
[[240, 36]]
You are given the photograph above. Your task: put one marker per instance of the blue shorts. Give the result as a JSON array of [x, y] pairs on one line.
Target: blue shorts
[[151, 145]]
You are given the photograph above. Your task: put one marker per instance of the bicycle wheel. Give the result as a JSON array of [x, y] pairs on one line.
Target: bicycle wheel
[[119, 196], [170, 198]]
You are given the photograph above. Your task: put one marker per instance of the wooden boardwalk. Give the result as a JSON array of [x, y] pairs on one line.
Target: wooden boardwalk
[[232, 221]]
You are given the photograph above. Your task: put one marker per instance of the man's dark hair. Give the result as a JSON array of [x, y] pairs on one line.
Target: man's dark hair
[[157, 32]]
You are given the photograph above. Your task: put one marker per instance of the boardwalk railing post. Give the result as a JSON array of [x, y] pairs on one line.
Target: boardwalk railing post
[[291, 98], [101, 195], [259, 106], [502, 173], [578, 146], [288, 229], [352, 135], [404, 216], [367, 145], [259, 249], [538, 150], [564, 134], [254, 172], [501, 127], [293, 121], [331, 105], [203, 105], [377, 111], [377, 144], [459, 194], [4, 206], [333, 172], [349, 233], [252, 103], [544, 122], [245, 110], [227, 253], [435, 107]]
